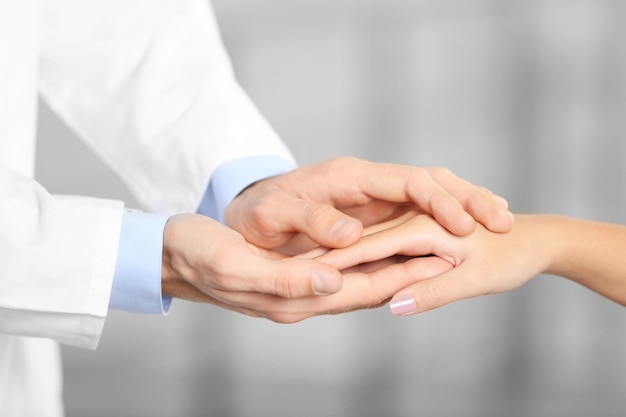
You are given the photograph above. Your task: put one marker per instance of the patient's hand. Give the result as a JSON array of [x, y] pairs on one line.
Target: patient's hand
[[484, 262]]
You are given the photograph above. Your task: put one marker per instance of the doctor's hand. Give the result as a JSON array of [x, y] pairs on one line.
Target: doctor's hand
[[219, 263], [204, 261], [330, 202]]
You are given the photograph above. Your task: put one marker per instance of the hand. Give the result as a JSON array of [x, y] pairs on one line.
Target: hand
[[206, 262], [331, 201], [218, 262], [484, 262]]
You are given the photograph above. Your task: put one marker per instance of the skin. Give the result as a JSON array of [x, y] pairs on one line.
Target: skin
[[332, 201], [245, 267], [586, 252], [242, 277]]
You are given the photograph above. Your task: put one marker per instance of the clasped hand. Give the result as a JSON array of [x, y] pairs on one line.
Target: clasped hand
[[262, 264]]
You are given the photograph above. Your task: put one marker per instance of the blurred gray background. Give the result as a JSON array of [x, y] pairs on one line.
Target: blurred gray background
[[527, 98]]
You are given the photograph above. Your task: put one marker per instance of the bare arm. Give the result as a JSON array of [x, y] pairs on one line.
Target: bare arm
[[590, 253]]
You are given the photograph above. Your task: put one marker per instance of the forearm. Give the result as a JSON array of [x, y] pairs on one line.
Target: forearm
[[590, 253], [56, 261]]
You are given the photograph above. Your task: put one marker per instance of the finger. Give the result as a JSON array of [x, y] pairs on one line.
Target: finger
[[494, 217], [363, 182], [489, 209], [398, 183], [388, 242], [449, 212], [378, 211], [368, 290], [311, 252], [321, 223], [314, 253], [287, 277], [374, 266], [275, 218], [368, 249], [360, 290], [435, 292]]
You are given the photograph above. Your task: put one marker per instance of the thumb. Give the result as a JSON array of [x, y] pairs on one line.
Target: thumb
[[322, 223], [292, 278]]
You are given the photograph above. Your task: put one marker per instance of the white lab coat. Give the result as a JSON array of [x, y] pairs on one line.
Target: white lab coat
[[148, 86]]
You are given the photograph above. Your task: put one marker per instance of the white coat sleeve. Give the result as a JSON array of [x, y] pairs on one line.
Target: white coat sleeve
[[148, 85], [57, 256], [57, 253]]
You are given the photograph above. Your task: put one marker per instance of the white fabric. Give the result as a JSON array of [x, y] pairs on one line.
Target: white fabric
[[147, 84]]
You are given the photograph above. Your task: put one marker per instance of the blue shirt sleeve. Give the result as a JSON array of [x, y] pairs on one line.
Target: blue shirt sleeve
[[137, 278], [233, 176]]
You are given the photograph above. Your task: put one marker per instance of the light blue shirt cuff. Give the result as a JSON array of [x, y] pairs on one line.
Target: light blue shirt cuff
[[137, 278], [233, 176]]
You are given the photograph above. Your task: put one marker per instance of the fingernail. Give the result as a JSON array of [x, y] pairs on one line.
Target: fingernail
[[325, 283], [344, 228], [402, 304]]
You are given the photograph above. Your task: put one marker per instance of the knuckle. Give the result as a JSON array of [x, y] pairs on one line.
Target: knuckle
[[435, 296], [439, 172], [287, 286], [316, 214], [342, 161], [282, 288], [344, 164], [261, 225], [419, 187], [259, 211]]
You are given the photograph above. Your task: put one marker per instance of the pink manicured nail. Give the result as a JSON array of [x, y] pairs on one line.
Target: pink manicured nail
[[402, 304]]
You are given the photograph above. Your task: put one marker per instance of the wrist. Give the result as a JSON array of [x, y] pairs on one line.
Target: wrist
[[556, 242], [183, 234], [171, 279]]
